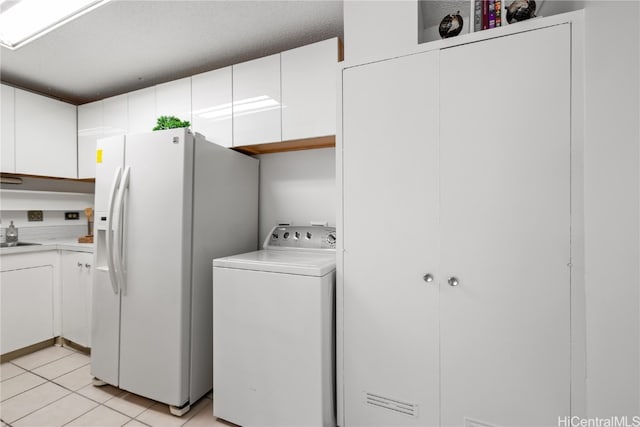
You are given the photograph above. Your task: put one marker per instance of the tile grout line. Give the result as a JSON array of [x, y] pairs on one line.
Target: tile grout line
[[76, 392], [47, 380]]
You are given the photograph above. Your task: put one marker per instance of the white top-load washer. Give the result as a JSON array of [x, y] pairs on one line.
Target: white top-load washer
[[274, 331]]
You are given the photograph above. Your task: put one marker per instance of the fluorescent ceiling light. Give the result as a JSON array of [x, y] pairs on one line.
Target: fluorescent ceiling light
[[22, 21]]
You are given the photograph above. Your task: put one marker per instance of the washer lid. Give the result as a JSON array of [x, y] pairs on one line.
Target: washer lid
[[277, 261]]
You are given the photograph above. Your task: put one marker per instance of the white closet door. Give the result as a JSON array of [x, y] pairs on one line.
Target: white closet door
[[390, 186], [505, 219]]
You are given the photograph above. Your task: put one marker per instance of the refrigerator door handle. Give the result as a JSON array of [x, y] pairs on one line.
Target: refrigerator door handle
[[119, 234], [109, 234]]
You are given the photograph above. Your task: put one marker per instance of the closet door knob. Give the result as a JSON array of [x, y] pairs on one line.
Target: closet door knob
[[428, 278], [453, 281]]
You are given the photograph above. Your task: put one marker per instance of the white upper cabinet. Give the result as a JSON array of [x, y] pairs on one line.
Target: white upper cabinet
[[7, 129], [256, 101], [115, 115], [45, 136], [96, 120], [309, 89], [211, 100], [90, 128], [142, 110], [174, 99]]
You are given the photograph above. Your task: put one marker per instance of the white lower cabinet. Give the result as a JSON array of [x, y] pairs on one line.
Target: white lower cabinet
[[455, 290], [76, 272], [27, 284]]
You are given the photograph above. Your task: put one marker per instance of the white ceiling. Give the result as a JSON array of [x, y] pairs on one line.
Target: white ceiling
[[127, 45]]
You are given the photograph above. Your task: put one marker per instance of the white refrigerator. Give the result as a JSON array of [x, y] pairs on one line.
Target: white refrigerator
[[167, 203]]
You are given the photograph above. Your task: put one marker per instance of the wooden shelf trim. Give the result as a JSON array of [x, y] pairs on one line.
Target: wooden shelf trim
[[291, 145], [24, 175]]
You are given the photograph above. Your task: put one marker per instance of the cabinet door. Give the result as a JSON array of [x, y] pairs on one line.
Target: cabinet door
[[115, 115], [309, 90], [27, 307], [90, 128], [256, 101], [390, 196], [211, 99], [142, 110], [76, 297], [45, 130], [7, 130], [505, 218], [174, 99]]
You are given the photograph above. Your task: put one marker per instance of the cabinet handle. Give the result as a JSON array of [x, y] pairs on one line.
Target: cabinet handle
[[453, 281], [88, 265], [428, 277], [79, 264]]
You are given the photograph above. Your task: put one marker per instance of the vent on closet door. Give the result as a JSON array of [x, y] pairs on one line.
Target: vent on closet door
[[394, 405]]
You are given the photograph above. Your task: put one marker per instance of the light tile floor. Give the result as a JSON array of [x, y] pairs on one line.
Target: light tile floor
[[52, 387]]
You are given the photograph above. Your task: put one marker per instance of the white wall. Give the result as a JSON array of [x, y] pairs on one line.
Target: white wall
[[14, 205], [379, 28], [299, 186], [612, 211]]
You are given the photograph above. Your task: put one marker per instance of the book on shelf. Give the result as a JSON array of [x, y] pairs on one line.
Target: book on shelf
[[492, 14], [487, 14]]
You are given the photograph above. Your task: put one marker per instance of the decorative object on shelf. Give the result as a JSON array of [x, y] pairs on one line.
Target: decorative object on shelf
[[12, 235], [170, 122], [520, 10], [89, 237], [451, 25]]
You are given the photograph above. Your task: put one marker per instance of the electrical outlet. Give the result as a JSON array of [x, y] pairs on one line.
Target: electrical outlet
[[34, 215], [71, 215]]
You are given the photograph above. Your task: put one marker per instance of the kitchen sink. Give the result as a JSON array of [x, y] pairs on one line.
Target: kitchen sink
[[6, 245]]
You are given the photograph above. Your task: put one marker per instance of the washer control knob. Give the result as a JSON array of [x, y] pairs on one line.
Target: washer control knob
[[274, 235], [308, 235], [285, 235], [296, 235]]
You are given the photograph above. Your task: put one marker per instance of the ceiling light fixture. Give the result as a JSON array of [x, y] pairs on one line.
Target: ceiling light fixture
[[22, 21]]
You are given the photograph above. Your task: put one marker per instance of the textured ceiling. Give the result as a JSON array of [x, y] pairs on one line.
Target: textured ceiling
[[127, 45]]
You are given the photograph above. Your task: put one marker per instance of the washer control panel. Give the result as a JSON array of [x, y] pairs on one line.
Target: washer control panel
[[301, 237]]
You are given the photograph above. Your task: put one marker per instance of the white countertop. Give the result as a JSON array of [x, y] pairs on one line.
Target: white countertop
[[66, 244]]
